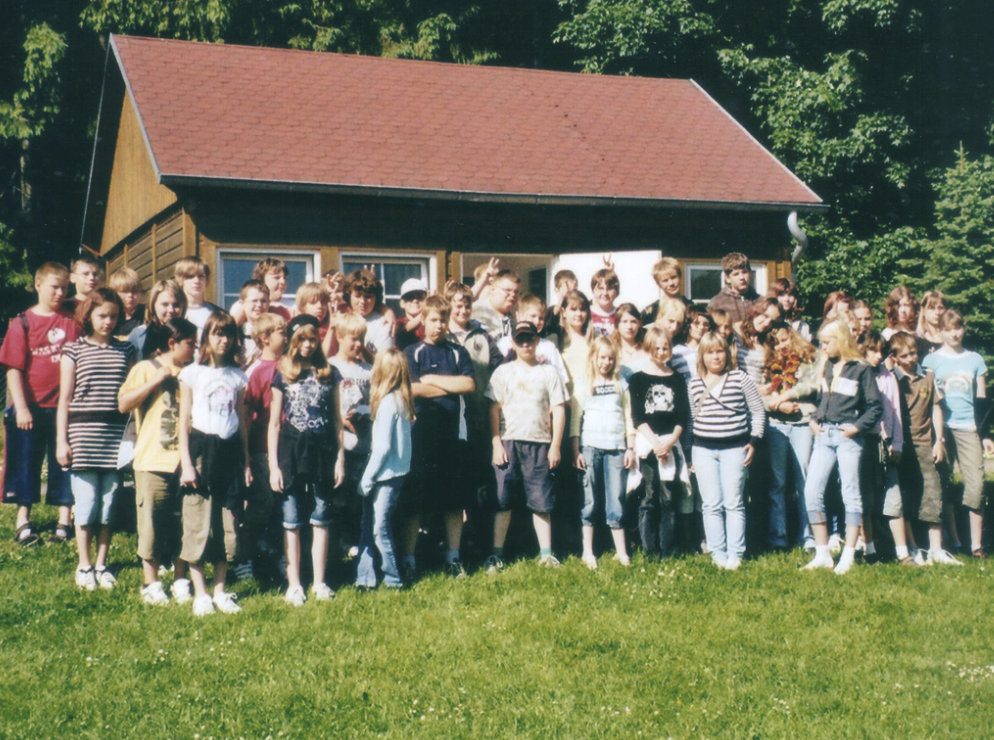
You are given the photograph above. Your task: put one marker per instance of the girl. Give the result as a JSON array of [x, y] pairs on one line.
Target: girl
[[628, 337], [661, 415], [790, 378], [306, 453], [671, 317], [89, 426], [389, 462], [902, 312], [576, 336], [848, 408], [364, 293], [751, 337], [929, 333], [214, 460], [601, 421], [862, 319], [786, 294], [698, 324], [312, 300], [166, 301], [729, 421]]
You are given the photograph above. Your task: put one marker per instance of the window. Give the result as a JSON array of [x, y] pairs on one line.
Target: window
[[704, 280], [392, 272], [235, 268]]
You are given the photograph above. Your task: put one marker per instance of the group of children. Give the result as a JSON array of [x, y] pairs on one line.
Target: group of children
[[345, 425]]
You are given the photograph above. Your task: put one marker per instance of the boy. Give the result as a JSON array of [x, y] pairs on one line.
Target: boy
[[923, 443], [85, 277], [257, 520], [604, 286], [31, 353], [669, 277], [563, 282], [192, 274], [441, 372], [527, 420], [531, 308], [128, 286], [495, 309], [737, 295], [272, 273], [962, 376], [151, 391], [410, 327], [254, 298]]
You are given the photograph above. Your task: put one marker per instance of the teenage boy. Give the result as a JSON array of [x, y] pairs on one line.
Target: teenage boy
[[604, 286], [85, 276], [272, 272], [192, 274], [527, 420], [254, 298], [923, 443], [531, 308], [259, 535], [31, 353], [151, 392], [128, 286], [495, 310], [441, 373], [737, 295], [668, 276], [410, 327], [563, 282]]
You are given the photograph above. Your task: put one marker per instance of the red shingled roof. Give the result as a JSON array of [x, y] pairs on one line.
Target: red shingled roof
[[259, 115]]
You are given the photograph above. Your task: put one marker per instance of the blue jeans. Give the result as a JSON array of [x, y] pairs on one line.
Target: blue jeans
[[721, 477], [603, 481], [832, 446], [94, 489], [790, 451], [377, 545]]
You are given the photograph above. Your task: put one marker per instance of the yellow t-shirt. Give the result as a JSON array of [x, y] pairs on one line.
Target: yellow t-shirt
[[157, 419]]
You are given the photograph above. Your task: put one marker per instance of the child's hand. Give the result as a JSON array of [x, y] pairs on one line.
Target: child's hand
[[554, 457], [988, 447], [276, 480], [815, 427], [188, 477], [500, 454], [63, 453], [25, 420], [849, 430], [608, 261], [390, 320], [749, 452], [578, 462], [161, 373], [493, 267], [938, 452], [340, 469], [248, 476], [629, 459], [787, 407], [661, 449]]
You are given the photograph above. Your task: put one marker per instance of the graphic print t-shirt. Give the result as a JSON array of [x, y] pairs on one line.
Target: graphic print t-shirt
[[308, 403], [216, 392], [38, 353]]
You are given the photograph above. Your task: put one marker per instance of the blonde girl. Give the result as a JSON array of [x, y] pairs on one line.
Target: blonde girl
[[166, 301], [392, 408], [849, 407], [306, 454], [313, 300], [603, 446], [929, 331], [214, 461]]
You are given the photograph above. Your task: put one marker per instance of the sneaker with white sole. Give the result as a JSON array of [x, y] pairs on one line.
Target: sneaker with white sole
[[105, 579], [455, 568], [154, 594], [549, 561], [322, 592], [941, 557], [623, 559], [181, 590], [86, 579], [835, 545], [918, 555], [732, 563], [295, 596], [844, 565], [244, 571], [225, 602], [203, 605], [494, 564], [590, 561], [819, 562]]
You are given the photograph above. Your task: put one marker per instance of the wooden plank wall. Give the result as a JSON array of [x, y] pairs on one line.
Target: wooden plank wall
[[154, 251]]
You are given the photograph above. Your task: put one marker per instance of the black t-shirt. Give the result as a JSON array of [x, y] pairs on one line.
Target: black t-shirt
[[661, 401]]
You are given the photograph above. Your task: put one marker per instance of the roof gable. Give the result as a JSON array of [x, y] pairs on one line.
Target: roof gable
[[274, 117]]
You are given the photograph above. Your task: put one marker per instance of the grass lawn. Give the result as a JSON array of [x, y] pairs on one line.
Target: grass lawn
[[661, 649]]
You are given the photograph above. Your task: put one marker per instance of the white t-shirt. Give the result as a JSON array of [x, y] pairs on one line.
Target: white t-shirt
[[526, 394], [217, 395]]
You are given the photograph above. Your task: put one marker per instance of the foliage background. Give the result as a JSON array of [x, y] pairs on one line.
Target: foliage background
[[885, 107]]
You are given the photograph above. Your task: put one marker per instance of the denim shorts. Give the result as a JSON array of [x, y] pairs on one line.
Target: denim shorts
[[305, 501], [528, 466], [94, 491], [24, 452]]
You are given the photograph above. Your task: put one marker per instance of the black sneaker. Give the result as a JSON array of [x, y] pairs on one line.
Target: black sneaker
[[408, 573], [455, 569], [494, 564]]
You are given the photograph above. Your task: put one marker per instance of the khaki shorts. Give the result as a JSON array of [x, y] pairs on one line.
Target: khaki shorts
[[208, 529], [963, 447], [157, 504]]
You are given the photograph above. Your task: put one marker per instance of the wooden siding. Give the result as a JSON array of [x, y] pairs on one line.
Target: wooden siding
[[152, 252], [134, 196]]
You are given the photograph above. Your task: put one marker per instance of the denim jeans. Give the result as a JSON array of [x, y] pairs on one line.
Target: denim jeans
[[832, 446], [790, 451], [377, 544], [603, 485], [721, 477], [94, 489], [657, 508]]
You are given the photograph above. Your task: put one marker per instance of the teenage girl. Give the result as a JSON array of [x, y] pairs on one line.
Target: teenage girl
[[214, 460], [603, 446], [687, 341], [306, 453], [89, 427], [389, 462], [166, 301], [628, 336], [751, 337], [784, 290], [929, 332], [849, 407], [902, 312]]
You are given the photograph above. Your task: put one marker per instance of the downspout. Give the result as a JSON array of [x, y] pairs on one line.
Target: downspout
[[799, 236]]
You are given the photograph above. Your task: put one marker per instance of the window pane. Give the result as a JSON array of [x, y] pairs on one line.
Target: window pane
[[300, 272], [392, 273], [237, 270], [705, 282]]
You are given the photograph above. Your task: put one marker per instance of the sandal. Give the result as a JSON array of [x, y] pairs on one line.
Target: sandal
[[25, 535], [61, 533]]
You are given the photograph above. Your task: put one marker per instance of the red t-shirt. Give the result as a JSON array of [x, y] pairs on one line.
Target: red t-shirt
[[603, 322], [258, 396], [280, 310], [39, 353]]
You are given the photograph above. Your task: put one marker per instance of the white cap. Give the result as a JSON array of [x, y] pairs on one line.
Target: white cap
[[413, 285]]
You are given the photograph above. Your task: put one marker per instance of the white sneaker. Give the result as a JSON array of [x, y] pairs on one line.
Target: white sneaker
[[835, 544], [819, 562], [732, 563], [590, 561], [154, 594], [295, 596], [202, 605], [181, 590], [105, 579], [86, 579], [918, 556], [623, 559], [941, 557], [322, 592], [225, 602], [844, 566]]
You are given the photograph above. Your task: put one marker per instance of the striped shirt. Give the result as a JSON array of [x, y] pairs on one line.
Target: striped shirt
[[95, 425], [729, 414]]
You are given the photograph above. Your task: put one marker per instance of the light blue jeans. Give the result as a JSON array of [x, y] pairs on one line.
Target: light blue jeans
[[93, 490], [603, 481], [832, 447], [721, 477], [790, 452], [377, 544]]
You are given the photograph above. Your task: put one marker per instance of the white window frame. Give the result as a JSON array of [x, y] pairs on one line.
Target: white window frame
[[760, 271], [311, 257], [428, 262]]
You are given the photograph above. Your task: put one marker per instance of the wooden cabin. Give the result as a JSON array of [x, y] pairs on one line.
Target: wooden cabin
[[422, 169]]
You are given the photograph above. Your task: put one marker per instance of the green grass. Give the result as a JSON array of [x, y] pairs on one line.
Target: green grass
[[661, 649]]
